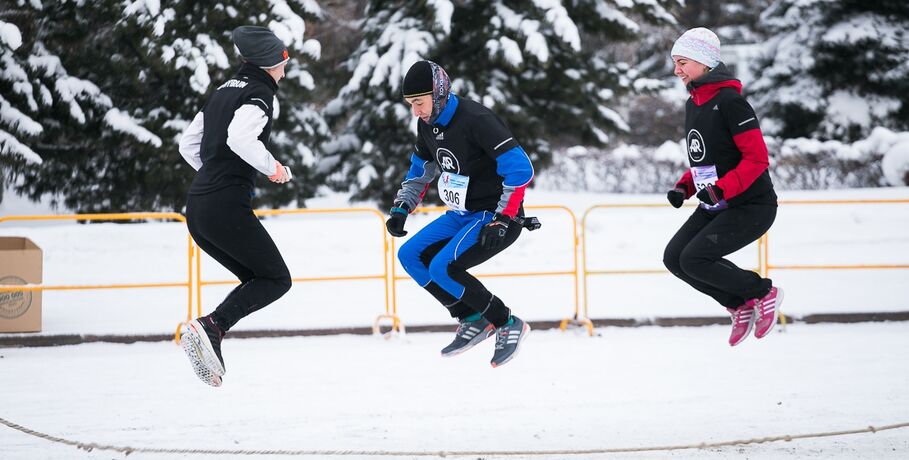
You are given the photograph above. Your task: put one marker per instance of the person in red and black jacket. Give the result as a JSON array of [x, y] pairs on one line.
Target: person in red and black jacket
[[728, 175]]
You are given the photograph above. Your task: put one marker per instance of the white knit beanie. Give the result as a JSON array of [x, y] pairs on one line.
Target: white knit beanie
[[699, 44]]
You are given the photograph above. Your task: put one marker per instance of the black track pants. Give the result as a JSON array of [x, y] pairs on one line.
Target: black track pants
[[223, 224], [695, 254]]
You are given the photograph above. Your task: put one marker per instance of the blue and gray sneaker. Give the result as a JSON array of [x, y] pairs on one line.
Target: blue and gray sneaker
[[469, 333], [508, 340]]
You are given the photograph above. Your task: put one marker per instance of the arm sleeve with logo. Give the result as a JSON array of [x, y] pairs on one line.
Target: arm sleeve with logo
[[512, 162], [746, 133], [422, 172], [191, 141]]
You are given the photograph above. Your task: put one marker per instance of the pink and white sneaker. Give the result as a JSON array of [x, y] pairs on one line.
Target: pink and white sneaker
[[742, 322], [766, 310]]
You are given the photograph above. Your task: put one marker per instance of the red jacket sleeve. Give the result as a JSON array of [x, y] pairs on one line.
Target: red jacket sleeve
[[754, 163], [686, 183]]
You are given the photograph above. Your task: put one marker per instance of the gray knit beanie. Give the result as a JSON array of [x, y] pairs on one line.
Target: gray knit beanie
[[260, 46]]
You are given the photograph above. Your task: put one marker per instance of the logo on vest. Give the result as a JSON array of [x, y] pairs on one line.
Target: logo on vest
[[697, 150], [447, 160], [233, 84]]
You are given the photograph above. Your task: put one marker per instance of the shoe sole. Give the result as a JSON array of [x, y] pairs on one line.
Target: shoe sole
[[194, 353], [776, 310], [525, 331], [207, 352], [472, 343], [201, 355]]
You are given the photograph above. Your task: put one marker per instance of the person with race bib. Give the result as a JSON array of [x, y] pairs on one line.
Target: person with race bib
[[482, 174], [728, 174]]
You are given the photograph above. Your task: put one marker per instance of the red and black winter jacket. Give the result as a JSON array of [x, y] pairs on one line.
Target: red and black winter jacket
[[722, 130]]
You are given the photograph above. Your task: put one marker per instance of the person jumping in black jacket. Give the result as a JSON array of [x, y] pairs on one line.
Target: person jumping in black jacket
[[227, 143], [482, 174], [728, 174]]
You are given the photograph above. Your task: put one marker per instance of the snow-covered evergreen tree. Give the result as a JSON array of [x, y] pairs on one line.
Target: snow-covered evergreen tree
[[834, 69], [96, 94], [540, 65]]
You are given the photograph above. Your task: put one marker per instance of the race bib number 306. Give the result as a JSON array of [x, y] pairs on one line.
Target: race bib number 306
[[453, 190]]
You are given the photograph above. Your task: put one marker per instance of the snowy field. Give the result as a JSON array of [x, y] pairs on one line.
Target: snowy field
[[624, 388], [352, 245]]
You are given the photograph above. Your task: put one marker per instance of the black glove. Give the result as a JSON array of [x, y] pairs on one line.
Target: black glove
[[492, 235], [395, 223], [711, 194], [676, 197]]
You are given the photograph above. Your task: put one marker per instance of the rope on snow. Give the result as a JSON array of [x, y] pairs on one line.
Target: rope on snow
[[389, 453]]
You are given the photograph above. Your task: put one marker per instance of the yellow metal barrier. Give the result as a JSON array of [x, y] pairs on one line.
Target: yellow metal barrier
[[389, 313], [113, 217], [765, 255], [587, 272], [573, 272]]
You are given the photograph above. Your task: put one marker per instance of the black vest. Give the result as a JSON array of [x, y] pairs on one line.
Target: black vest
[[221, 167]]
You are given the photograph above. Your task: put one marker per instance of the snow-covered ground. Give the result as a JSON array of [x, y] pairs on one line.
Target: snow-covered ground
[[352, 244], [625, 388]]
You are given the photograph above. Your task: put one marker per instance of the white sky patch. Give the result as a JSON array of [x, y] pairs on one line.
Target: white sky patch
[[121, 121]]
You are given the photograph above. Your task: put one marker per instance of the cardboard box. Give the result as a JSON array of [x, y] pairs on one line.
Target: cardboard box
[[20, 263]]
